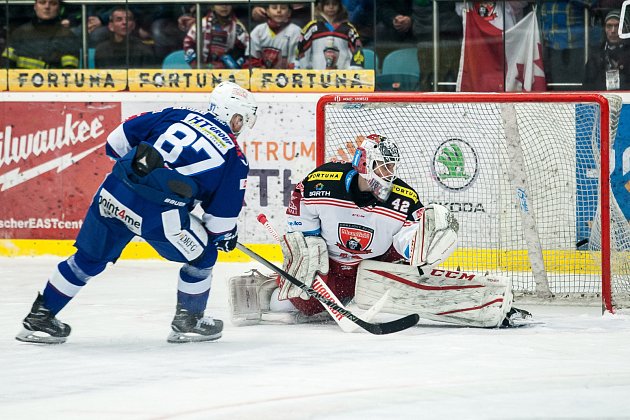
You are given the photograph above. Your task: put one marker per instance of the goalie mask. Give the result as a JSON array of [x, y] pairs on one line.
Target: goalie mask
[[229, 99], [377, 160]]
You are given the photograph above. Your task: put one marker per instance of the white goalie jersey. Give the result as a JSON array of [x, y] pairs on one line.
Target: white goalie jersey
[[354, 224]]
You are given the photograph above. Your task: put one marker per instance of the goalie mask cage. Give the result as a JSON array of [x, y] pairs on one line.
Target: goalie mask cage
[[525, 175]]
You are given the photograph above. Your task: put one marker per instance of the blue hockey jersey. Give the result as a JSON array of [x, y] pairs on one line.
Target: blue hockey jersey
[[198, 145]]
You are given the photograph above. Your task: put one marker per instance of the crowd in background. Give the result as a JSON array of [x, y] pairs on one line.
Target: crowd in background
[[326, 34]]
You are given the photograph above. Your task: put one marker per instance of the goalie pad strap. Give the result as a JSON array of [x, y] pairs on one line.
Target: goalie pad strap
[[455, 297]]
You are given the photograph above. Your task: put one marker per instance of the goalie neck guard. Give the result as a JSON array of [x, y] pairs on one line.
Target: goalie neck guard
[[377, 160]]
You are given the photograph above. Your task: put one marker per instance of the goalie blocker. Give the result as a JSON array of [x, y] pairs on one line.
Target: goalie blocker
[[442, 295]]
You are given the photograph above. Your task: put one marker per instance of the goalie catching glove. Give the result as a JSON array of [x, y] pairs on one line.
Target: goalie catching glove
[[435, 239], [304, 257]]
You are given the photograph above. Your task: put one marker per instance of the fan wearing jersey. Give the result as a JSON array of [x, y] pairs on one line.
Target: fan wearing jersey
[[166, 163], [330, 42], [273, 44]]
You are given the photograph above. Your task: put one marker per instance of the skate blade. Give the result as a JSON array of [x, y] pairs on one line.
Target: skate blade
[[177, 337], [38, 337]]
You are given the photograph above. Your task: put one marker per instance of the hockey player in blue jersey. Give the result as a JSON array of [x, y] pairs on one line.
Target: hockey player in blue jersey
[[167, 162]]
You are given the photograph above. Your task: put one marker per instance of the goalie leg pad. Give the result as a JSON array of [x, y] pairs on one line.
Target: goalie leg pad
[[454, 297], [249, 297]]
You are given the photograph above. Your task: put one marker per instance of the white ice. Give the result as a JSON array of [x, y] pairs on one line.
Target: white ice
[[117, 364]]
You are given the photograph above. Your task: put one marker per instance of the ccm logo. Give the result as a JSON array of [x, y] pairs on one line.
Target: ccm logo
[[452, 274]]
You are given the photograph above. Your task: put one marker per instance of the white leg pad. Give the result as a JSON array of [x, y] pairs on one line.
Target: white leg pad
[[249, 297], [455, 297]]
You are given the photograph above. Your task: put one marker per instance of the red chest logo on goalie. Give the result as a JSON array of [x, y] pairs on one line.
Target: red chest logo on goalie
[[354, 239]]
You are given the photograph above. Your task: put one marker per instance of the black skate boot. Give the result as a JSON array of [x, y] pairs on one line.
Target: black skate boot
[[41, 326], [188, 327], [517, 318]]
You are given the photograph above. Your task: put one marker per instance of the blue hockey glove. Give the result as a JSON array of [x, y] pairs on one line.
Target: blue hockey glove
[[226, 241]]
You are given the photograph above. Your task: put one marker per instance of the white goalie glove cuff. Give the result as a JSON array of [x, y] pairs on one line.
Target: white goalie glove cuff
[[304, 257], [436, 237]]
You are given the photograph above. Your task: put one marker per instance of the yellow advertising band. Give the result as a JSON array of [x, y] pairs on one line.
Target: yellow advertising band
[[167, 80], [133, 251], [556, 261]]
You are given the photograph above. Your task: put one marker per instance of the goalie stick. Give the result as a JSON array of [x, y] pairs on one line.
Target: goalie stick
[[319, 284], [374, 328]]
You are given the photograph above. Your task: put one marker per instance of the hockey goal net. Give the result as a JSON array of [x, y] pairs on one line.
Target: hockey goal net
[[525, 174]]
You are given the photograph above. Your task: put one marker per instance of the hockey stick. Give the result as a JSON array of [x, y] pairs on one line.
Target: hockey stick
[[319, 284], [374, 328]]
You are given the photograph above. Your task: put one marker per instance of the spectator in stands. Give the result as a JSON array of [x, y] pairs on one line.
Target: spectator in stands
[[300, 14], [562, 23], [167, 25], [330, 41], [225, 40], [4, 30], [97, 16], [361, 14], [608, 67], [123, 49], [42, 43], [396, 19], [502, 15], [411, 21], [273, 44]]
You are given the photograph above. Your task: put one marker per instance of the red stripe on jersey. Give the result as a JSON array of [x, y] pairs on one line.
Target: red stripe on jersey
[[389, 213], [330, 202], [348, 205]]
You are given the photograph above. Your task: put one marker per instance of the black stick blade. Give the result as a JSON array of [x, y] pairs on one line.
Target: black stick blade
[[391, 326]]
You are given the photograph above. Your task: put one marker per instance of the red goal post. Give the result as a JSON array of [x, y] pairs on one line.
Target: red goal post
[[522, 172]]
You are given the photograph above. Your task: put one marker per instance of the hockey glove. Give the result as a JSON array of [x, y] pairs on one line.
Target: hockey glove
[[304, 257], [225, 242], [436, 237]]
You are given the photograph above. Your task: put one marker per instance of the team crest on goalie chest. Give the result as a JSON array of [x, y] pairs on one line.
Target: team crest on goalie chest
[[354, 239]]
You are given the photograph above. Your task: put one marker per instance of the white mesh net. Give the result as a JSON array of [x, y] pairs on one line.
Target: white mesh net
[[525, 190]]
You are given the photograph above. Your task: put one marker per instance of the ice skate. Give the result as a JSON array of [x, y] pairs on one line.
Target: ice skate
[[41, 326], [189, 327], [517, 318]]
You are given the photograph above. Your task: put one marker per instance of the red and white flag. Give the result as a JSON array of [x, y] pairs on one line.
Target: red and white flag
[[485, 59]]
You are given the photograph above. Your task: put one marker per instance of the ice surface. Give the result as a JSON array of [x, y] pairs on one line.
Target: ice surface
[[117, 363]]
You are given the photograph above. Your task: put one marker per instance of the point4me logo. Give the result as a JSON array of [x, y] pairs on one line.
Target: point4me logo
[[455, 165], [110, 207]]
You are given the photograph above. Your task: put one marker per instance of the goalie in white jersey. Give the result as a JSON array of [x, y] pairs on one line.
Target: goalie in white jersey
[[348, 222]]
